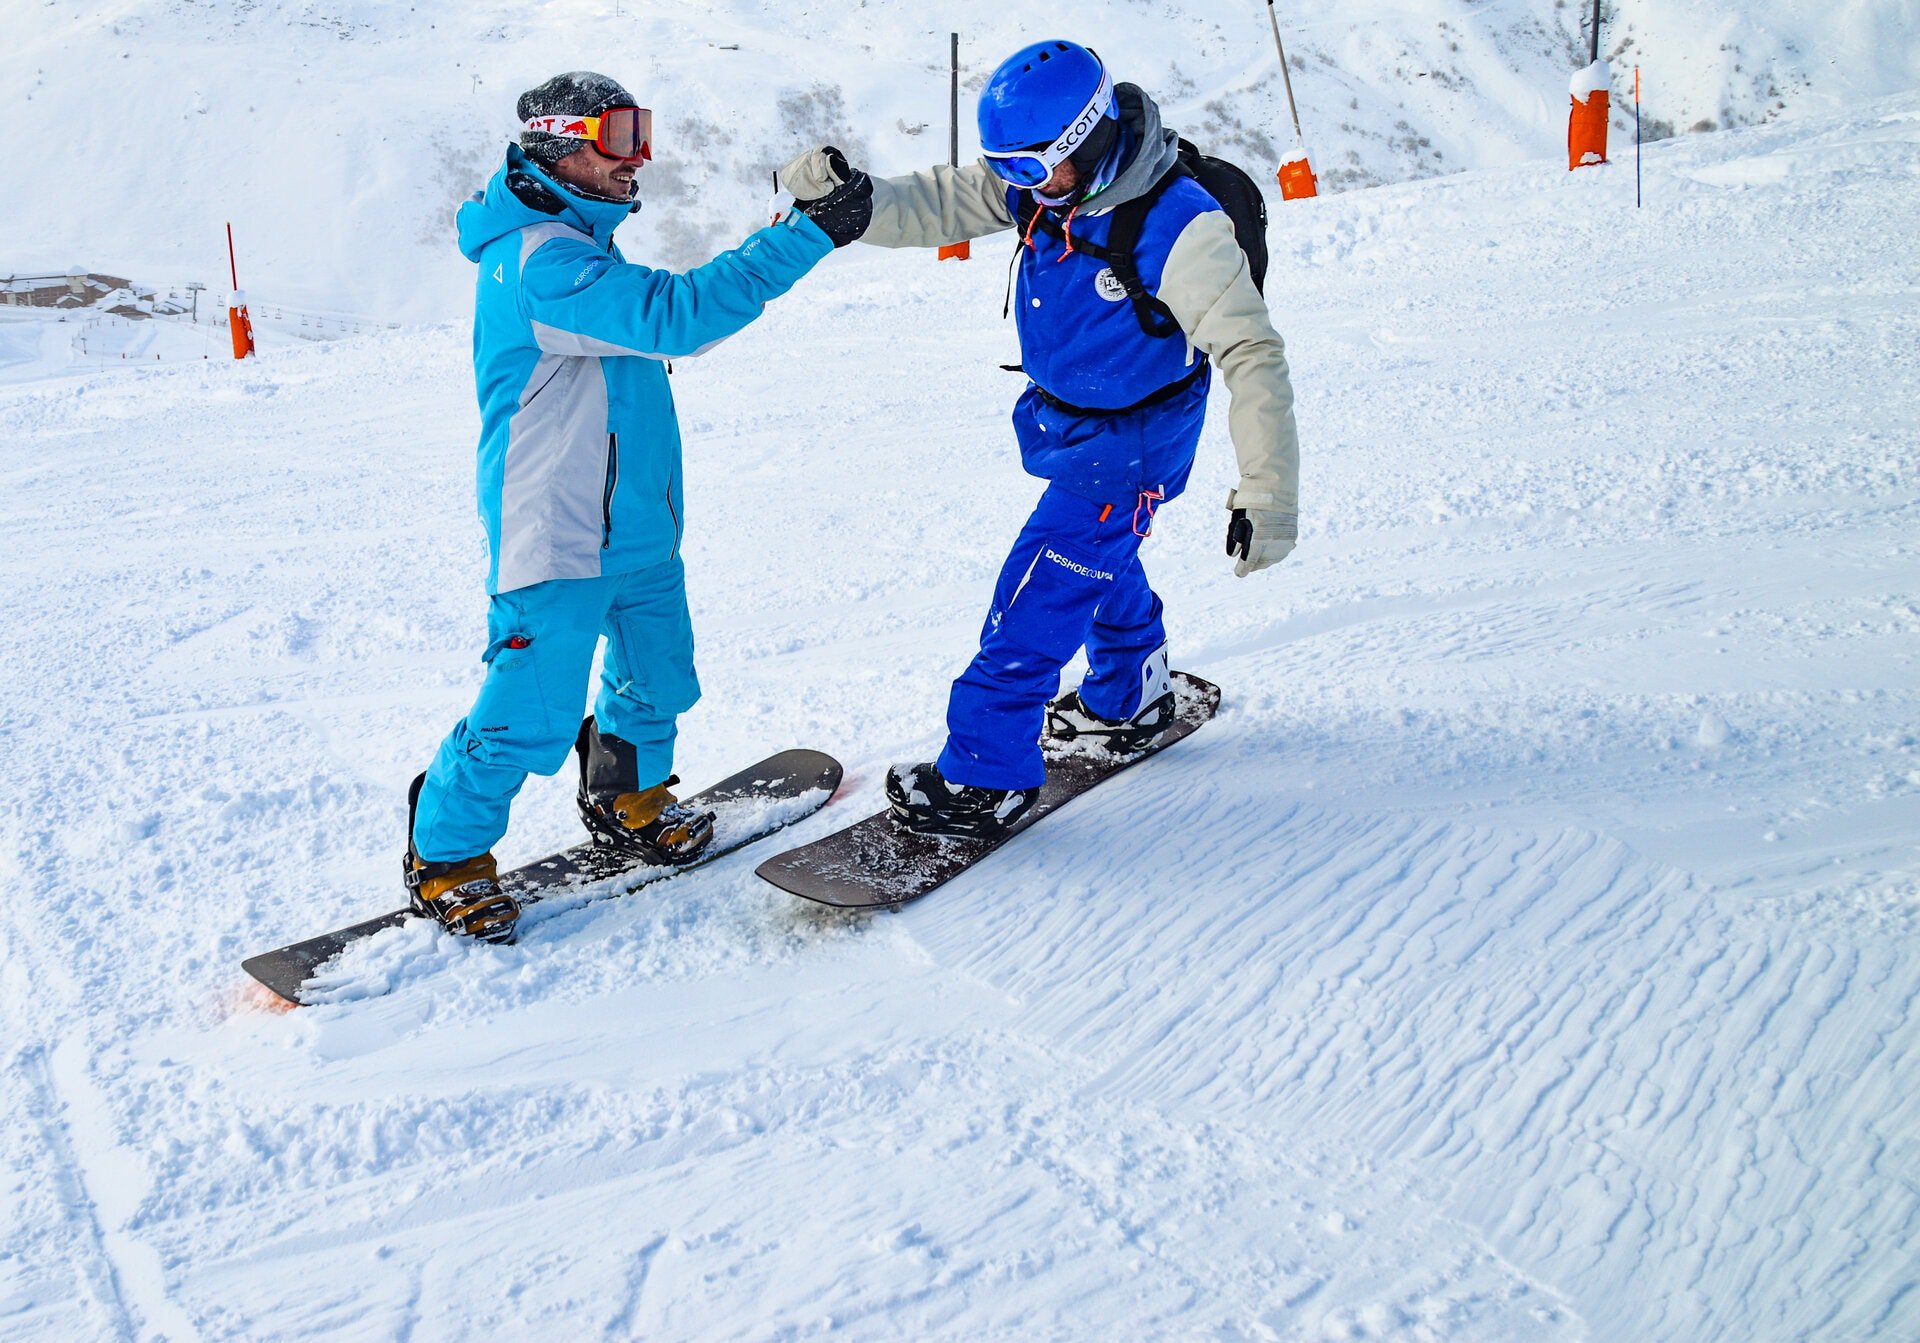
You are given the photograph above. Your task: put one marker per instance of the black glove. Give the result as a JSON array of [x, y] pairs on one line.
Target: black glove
[[844, 213]]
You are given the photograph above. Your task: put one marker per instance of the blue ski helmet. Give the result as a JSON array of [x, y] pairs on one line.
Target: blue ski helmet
[[1046, 104]]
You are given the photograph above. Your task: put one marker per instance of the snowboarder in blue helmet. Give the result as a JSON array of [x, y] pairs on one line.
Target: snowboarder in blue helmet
[[1132, 285], [581, 496]]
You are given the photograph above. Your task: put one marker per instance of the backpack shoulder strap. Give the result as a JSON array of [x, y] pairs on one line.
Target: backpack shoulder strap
[[1129, 221]]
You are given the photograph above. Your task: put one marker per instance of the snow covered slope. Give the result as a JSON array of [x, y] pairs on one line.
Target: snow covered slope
[[338, 135], [1528, 952]]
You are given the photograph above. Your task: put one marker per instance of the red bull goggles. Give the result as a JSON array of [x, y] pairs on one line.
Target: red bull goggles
[[619, 132], [1032, 167]]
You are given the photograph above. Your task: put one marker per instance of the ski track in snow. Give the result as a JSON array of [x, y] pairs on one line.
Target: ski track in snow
[[1527, 951]]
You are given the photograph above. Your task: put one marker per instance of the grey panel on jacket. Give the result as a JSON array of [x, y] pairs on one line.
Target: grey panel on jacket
[[555, 473], [552, 340]]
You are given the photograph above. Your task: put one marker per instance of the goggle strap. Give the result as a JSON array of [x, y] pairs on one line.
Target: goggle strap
[[570, 128]]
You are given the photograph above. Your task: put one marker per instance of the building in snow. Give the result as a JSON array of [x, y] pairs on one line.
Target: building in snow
[[77, 289]]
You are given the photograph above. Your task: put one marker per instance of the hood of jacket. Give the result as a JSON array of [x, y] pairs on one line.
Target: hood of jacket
[[1153, 149], [523, 193]]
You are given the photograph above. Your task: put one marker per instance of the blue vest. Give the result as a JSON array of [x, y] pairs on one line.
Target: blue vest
[[1081, 342]]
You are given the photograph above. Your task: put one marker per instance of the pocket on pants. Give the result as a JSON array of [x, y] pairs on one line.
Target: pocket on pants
[[1052, 607], [512, 705], [655, 661]]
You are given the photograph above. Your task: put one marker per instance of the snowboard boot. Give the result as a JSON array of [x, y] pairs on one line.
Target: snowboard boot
[[1070, 720], [464, 897], [924, 802], [649, 824]]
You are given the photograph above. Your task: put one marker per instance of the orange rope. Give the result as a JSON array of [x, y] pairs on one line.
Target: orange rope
[[1031, 226]]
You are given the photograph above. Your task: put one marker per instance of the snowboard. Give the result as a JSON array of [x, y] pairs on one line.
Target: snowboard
[[879, 864], [760, 799]]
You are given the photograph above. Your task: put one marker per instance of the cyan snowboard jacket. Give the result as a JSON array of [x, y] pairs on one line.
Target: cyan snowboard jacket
[[579, 461]]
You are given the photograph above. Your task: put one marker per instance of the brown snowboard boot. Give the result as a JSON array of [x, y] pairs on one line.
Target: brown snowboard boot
[[647, 823], [464, 897]]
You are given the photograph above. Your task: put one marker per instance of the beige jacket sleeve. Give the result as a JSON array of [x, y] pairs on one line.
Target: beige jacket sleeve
[[929, 209], [1209, 287]]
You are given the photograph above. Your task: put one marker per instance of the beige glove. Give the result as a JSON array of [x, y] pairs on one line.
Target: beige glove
[[811, 176], [1259, 538]]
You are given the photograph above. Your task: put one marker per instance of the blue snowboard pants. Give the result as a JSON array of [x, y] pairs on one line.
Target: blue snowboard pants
[[1073, 579], [540, 643]]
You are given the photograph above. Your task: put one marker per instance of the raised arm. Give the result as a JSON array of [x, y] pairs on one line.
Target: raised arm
[[581, 300], [927, 209]]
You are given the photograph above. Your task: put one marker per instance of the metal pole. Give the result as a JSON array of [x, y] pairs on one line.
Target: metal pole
[[953, 111], [962, 250], [1273, 17], [1638, 199], [232, 266], [1596, 30]]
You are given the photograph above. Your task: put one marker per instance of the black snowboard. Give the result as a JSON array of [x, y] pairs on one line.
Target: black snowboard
[[753, 803], [877, 863]]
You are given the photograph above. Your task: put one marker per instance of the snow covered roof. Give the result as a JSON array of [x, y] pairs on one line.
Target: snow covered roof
[[72, 290]]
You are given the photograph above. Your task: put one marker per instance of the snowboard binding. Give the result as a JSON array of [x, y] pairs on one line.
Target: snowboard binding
[[923, 801], [649, 824], [1070, 720], [464, 897]]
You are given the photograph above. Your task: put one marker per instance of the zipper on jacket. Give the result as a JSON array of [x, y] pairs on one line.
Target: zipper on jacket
[[676, 520], [606, 499]]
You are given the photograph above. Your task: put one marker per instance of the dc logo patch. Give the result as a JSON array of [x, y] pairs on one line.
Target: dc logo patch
[[1108, 285]]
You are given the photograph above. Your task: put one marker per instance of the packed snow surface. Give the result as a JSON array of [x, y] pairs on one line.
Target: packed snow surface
[[1527, 952]]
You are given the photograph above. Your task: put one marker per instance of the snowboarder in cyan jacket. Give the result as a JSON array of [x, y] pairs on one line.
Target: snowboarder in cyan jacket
[[580, 493], [1110, 418]]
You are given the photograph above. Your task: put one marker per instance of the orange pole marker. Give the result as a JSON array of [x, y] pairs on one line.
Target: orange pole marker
[[1587, 130], [239, 324], [958, 251], [1587, 122], [1297, 182]]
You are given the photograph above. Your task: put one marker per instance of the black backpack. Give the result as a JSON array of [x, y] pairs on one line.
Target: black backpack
[[1225, 182]]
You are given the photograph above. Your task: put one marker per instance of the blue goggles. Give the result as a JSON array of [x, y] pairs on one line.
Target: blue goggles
[[1032, 167]]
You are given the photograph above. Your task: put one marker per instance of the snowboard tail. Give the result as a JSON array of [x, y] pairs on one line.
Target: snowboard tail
[[877, 863], [747, 806]]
